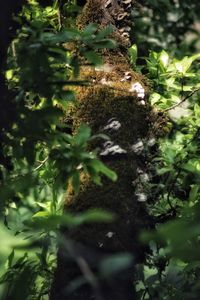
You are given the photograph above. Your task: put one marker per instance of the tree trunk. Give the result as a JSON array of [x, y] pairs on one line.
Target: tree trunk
[[114, 105]]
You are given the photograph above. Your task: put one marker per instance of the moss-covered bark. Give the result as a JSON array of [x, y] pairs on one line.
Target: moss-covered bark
[[110, 97]]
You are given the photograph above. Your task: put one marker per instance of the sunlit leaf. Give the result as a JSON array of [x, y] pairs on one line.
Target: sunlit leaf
[[116, 263]]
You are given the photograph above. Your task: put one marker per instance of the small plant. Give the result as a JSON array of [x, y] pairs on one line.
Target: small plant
[[172, 267], [39, 155]]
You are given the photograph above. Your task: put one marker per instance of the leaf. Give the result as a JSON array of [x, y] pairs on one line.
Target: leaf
[[193, 166], [162, 171], [68, 96], [105, 43], [154, 98], [76, 181], [93, 58], [9, 242], [104, 32], [41, 214], [183, 65], [115, 264], [89, 30], [100, 167], [95, 215], [83, 135], [10, 258], [9, 74], [63, 36], [164, 58], [193, 193], [47, 221], [133, 52]]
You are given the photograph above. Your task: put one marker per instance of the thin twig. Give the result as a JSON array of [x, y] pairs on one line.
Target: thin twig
[[183, 100], [42, 163]]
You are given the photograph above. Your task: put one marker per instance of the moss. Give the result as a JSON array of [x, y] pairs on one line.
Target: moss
[[107, 97], [100, 102], [91, 13], [95, 106], [94, 13]]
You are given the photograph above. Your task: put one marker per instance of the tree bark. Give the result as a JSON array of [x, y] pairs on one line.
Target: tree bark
[[115, 105]]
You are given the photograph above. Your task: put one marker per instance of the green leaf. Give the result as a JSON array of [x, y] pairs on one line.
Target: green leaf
[[183, 65], [115, 264], [10, 258], [155, 98], [101, 167], [83, 135], [9, 242], [96, 215], [193, 193], [93, 58], [133, 52], [104, 32], [193, 166], [162, 171], [76, 181], [63, 36], [43, 220], [89, 30], [41, 214], [164, 58], [105, 43]]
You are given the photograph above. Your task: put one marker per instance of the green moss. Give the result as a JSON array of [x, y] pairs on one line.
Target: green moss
[[94, 13], [95, 106], [91, 13], [100, 102]]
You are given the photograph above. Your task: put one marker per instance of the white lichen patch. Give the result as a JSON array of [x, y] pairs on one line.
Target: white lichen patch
[[110, 234], [113, 124], [144, 177], [100, 245], [139, 171], [138, 147], [151, 142], [127, 77], [138, 89], [111, 149], [141, 197]]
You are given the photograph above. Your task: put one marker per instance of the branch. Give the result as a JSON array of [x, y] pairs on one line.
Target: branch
[[183, 100], [41, 164]]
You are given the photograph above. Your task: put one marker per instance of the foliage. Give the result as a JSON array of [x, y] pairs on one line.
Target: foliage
[[169, 24], [175, 80], [172, 267], [39, 155]]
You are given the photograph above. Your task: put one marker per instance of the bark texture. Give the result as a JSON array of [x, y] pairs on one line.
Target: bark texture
[[115, 105]]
